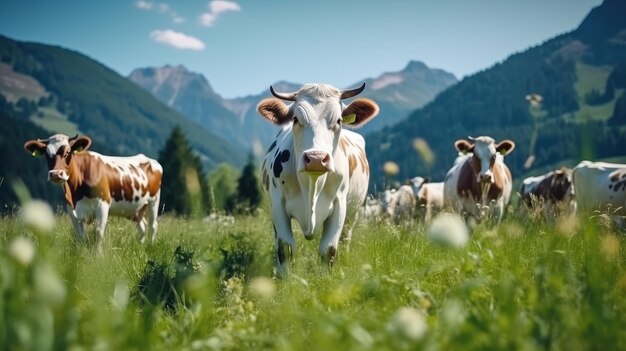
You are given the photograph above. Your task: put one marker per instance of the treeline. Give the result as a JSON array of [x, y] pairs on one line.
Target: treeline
[[186, 190]]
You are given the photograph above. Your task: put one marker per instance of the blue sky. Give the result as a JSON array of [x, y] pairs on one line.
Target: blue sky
[[243, 46]]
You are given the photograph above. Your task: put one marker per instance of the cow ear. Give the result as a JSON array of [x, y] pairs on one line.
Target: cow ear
[[464, 146], [274, 110], [35, 147], [359, 112], [80, 144], [505, 147]]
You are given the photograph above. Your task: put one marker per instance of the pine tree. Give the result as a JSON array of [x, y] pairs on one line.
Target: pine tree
[[248, 190], [184, 190]]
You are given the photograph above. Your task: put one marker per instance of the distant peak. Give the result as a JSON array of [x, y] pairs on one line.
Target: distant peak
[[415, 66]]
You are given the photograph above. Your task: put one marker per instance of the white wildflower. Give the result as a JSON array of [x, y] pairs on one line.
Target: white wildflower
[[409, 322], [50, 288], [22, 250], [263, 287], [38, 216], [448, 230]]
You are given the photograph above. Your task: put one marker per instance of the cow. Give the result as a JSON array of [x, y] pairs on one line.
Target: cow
[[97, 186], [372, 209], [479, 178], [399, 204], [552, 192], [429, 195], [315, 171], [600, 186]]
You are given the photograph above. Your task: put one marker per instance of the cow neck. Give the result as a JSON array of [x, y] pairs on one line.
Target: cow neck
[[74, 170], [311, 195]]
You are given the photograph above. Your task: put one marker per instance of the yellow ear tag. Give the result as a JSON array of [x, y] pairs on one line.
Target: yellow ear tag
[[349, 119], [37, 153], [79, 149]]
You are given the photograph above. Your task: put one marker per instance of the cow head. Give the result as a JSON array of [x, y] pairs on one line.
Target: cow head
[[58, 150], [417, 183], [485, 153], [317, 116]]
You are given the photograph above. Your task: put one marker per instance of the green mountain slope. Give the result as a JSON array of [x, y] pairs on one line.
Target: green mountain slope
[[578, 74], [104, 105]]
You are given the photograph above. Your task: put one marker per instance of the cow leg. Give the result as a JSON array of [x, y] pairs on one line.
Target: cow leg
[[428, 213], [141, 229], [332, 232], [102, 215], [79, 229], [152, 214], [285, 244]]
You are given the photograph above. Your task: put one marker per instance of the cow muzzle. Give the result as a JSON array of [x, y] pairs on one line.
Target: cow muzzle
[[56, 176], [486, 177], [316, 162]]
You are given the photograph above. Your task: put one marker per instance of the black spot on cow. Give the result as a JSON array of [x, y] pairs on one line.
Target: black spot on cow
[[280, 131], [274, 182], [279, 159], [271, 147]]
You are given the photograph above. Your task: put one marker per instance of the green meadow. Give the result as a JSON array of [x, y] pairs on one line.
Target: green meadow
[[527, 285]]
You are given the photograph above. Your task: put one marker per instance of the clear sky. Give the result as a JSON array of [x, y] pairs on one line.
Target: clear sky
[[243, 46]]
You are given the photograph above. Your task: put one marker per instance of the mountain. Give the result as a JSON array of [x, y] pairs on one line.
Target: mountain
[[581, 77], [64, 91], [398, 93], [191, 94]]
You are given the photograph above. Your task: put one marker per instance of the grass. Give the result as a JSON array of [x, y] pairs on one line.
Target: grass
[[528, 284], [51, 119], [590, 78]]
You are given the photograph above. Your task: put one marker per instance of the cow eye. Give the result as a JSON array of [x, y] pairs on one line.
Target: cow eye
[[295, 120], [335, 127]]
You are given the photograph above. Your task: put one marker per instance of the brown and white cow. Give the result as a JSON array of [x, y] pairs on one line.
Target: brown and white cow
[[600, 186], [552, 191], [479, 179], [315, 172], [97, 186], [429, 195]]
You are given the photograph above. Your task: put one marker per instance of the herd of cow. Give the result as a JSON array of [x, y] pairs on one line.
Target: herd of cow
[[317, 173], [600, 186]]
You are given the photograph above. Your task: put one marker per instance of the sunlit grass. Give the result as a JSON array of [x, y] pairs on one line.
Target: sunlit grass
[[523, 285]]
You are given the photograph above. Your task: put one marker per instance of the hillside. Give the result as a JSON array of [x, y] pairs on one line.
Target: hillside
[[398, 93], [81, 95], [580, 76]]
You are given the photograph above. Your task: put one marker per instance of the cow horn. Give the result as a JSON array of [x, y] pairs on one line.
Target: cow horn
[[73, 138], [352, 92], [471, 138], [283, 96]]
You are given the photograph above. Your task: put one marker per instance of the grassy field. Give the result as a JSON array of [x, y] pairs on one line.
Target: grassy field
[[527, 285]]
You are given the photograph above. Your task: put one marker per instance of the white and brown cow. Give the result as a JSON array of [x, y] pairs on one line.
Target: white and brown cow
[[429, 195], [97, 186], [600, 186], [479, 179], [315, 172], [549, 192]]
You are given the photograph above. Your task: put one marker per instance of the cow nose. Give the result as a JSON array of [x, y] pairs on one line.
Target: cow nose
[[316, 161], [57, 176], [486, 178]]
